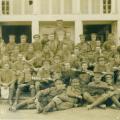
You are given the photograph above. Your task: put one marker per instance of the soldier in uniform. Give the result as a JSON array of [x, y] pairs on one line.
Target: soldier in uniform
[[11, 45], [110, 41], [68, 99], [23, 44], [60, 32], [45, 40], [37, 43], [84, 47], [93, 41], [43, 97], [54, 44], [101, 65], [43, 76], [24, 81], [109, 92], [7, 80]]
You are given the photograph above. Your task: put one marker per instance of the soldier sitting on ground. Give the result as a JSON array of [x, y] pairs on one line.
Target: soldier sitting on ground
[[69, 98]]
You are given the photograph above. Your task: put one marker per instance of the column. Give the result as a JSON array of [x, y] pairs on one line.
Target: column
[[62, 7], [101, 6], [118, 6], [50, 7], [75, 6], [0, 31], [90, 6], [35, 28], [118, 32], [0, 7], [36, 6], [113, 6], [11, 7], [78, 30], [23, 7]]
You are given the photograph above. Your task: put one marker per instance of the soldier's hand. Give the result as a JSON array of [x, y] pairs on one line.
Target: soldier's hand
[[80, 97], [111, 88]]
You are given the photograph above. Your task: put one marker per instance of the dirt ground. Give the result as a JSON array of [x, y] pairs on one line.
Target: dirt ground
[[71, 114]]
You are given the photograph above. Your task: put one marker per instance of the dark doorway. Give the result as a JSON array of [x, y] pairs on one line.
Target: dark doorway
[[101, 31], [17, 31]]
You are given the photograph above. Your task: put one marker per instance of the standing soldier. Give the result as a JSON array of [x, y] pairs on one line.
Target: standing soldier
[[83, 46], [11, 45], [23, 44], [45, 40], [110, 42], [60, 32], [7, 81], [37, 43], [93, 41]]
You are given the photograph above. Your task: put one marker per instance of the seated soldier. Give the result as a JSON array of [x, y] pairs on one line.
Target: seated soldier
[[43, 78], [101, 65], [111, 92], [96, 88], [24, 81], [43, 97], [67, 74], [7, 81], [67, 99]]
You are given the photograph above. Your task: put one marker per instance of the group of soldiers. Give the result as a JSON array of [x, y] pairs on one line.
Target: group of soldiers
[[56, 74]]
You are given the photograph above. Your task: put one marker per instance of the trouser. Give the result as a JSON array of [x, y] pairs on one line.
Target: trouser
[[21, 87], [28, 104], [60, 103]]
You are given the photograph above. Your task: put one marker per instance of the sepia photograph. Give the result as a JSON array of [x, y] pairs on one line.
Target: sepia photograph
[[59, 59]]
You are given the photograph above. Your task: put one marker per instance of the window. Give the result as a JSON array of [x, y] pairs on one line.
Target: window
[[95, 6], [67, 6], [106, 6], [56, 6], [84, 6], [5, 7]]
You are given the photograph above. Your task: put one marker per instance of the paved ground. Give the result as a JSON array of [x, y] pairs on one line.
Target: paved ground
[[72, 114]]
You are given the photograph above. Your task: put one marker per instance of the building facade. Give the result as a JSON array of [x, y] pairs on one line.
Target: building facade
[[80, 16]]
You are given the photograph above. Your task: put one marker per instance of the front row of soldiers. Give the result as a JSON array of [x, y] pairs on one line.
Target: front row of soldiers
[[60, 91]]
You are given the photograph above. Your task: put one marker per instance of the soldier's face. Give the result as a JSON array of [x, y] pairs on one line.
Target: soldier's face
[[23, 40], [59, 84], [6, 66], [30, 49], [84, 66], [82, 39], [110, 37], [101, 61], [93, 37], [109, 80], [12, 40], [60, 24], [51, 37], [5, 58], [67, 66], [75, 83], [20, 57]]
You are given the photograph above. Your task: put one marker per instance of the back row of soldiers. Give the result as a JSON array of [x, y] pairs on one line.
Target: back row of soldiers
[[60, 74]]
